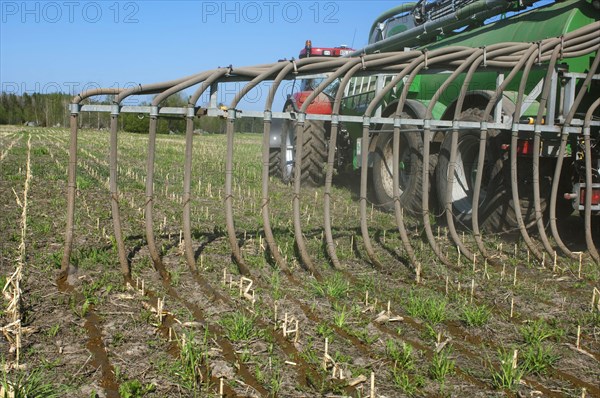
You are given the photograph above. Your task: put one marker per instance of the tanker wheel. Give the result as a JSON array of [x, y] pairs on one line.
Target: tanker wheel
[[496, 206], [410, 171], [465, 169], [314, 151], [502, 216]]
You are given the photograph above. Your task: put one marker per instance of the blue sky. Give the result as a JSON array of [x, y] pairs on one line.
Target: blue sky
[[67, 45]]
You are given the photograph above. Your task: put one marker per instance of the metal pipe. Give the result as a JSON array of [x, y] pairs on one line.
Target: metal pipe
[[479, 10], [406, 7]]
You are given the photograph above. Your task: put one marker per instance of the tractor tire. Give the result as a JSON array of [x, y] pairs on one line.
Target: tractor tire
[[410, 178], [314, 152], [275, 162]]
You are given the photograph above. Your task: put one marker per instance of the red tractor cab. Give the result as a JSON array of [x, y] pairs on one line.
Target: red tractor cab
[[322, 104], [282, 137]]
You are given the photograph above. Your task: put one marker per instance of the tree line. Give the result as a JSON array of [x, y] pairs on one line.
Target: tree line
[[52, 110]]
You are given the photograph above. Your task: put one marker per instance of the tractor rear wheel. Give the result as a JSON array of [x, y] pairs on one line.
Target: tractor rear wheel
[[314, 152], [410, 170]]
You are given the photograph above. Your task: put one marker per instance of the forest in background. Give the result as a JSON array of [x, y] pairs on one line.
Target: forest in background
[[52, 110]]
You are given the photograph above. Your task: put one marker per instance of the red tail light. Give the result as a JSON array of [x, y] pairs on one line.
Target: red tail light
[[524, 147], [595, 196]]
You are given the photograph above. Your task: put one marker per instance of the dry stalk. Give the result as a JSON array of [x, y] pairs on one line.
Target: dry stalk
[[12, 289]]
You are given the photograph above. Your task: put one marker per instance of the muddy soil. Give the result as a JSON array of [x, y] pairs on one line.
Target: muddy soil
[[512, 327]]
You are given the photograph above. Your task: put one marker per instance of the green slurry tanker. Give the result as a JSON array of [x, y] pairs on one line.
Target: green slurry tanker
[[478, 115], [539, 103]]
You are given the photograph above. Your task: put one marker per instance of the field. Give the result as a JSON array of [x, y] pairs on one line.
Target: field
[[474, 330]]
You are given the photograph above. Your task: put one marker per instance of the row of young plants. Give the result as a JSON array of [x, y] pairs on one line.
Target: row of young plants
[[343, 323]]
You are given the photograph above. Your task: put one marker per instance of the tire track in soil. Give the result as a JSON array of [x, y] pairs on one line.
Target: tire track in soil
[[94, 345], [384, 329], [228, 351], [360, 346], [9, 147], [501, 308], [307, 376], [476, 340], [458, 332], [526, 272], [165, 327]]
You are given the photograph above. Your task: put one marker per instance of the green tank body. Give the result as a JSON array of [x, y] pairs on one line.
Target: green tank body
[[552, 20]]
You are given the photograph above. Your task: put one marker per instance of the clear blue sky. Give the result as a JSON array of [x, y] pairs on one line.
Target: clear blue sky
[[64, 45]]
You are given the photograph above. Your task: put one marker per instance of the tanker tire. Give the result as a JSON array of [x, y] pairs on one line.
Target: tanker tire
[[496, 206], [465, 168], [411, 166], [501, 209]]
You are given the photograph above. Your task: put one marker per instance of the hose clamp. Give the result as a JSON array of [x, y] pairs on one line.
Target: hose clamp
[[301, 117], [484, 48], [397, 122], [335, 119], [366, 121], [154, 111], [268, 116], [191, 112], [455, 125], [586, 131], [115, 109], [74, 108], [562, 46], [484, 125], [427, 124]]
